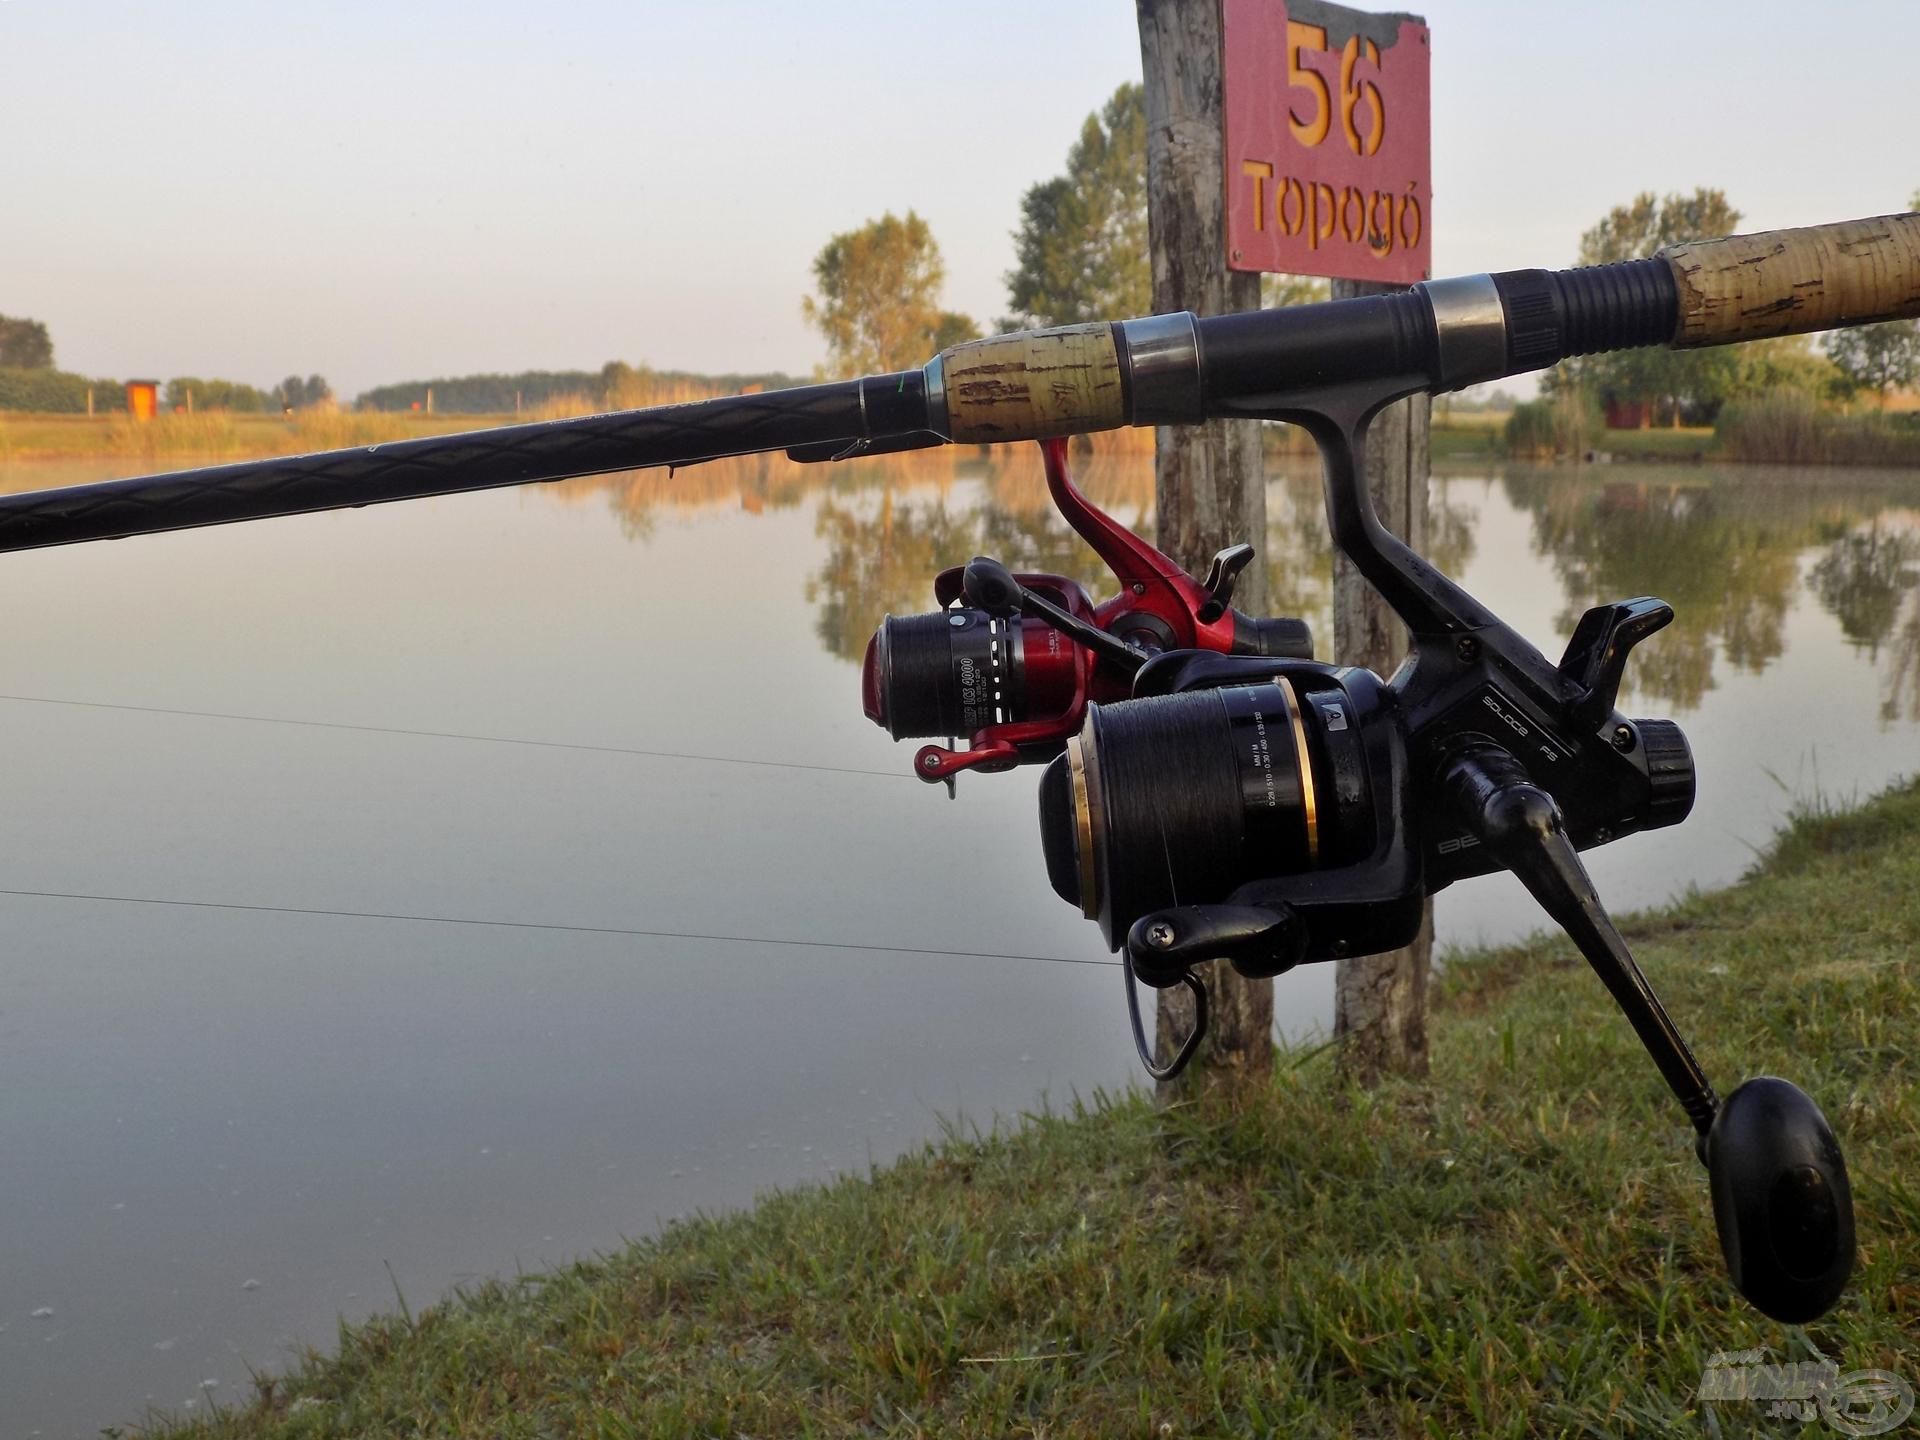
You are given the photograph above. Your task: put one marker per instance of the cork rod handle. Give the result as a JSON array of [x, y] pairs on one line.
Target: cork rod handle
[[1788, 282], [1034, 384]]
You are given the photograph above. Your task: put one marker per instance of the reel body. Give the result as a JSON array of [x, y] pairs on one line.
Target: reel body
[[1013, 660]]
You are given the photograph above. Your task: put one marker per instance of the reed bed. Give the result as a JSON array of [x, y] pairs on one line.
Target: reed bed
[[1785, 427]]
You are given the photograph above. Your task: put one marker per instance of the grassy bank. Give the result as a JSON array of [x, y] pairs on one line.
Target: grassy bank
[[1521, 1245], [1470, 437]]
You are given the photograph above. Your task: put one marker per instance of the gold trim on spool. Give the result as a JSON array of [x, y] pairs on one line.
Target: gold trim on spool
[[1083, 826], [1303, 763]]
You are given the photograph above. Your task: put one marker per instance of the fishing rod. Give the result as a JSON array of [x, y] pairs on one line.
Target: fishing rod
[[1077, 379], [1211, 792]]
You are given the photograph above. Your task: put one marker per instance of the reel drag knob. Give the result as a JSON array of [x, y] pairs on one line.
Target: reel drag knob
[[1781, 1200]]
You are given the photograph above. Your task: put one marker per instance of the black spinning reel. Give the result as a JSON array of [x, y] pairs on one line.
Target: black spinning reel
[[1270, 812]]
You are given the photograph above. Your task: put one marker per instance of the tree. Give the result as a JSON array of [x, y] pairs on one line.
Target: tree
[[298, 393], [1786, 362], [1082, 243], [1277, 290], [188, 392], [1635, 231], [951, 328], [1877, 357], [878, 305], [1693, 383], [25, 344]]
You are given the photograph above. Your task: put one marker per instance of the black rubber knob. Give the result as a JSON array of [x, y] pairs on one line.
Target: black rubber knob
[[991, 586], [1781, 1200], [1669, 772]]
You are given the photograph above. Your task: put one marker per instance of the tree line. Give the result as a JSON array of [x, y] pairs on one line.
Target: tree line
[[615, 385], [29, 380], [1693, 386]]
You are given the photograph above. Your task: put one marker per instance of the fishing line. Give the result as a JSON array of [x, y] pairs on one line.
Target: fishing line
[[538, 925], [452, 735]]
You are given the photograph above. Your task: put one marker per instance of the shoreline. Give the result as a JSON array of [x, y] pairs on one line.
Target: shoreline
[[1519, 1244]]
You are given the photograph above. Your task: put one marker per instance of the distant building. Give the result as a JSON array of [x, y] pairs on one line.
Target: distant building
[[143, 399], [1628, 414]]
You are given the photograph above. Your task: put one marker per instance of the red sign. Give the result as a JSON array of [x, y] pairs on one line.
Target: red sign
[[1328, 145]]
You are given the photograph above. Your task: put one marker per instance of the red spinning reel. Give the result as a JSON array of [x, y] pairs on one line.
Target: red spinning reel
[[1011, 660]]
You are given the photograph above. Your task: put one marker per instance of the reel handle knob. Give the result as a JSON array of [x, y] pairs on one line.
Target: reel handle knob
[[1781, 1200], [988, 585]]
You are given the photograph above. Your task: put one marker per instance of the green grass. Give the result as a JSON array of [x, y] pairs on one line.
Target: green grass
[[1469, 438], [1661, 443], [1519, 1245], [1464, 441]]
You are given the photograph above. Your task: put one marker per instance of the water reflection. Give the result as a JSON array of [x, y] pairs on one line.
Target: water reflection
[[881, 558], [1901, 695], [1724, 549], [1868, 580]]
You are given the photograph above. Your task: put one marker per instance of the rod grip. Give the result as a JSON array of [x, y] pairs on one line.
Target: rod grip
[[1788, 282], [1034, 384]]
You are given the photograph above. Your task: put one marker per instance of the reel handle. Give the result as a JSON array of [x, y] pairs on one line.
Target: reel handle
[[1781, 1200]]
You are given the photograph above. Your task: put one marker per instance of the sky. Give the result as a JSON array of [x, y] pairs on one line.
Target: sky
[[378, 192]]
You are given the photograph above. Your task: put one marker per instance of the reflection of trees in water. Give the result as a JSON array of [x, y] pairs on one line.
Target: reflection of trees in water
[[755, 483], [1900, 695], [891, 522], [882, 554], [1300, 551], [1869, 579], [883, 563], [1724, 555], [1863, 577]]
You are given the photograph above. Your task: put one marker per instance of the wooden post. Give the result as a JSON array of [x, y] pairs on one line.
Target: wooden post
[[1209, 487], [1380, 1001]]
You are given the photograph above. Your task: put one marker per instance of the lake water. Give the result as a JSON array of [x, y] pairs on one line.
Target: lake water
[[224, 1126]]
